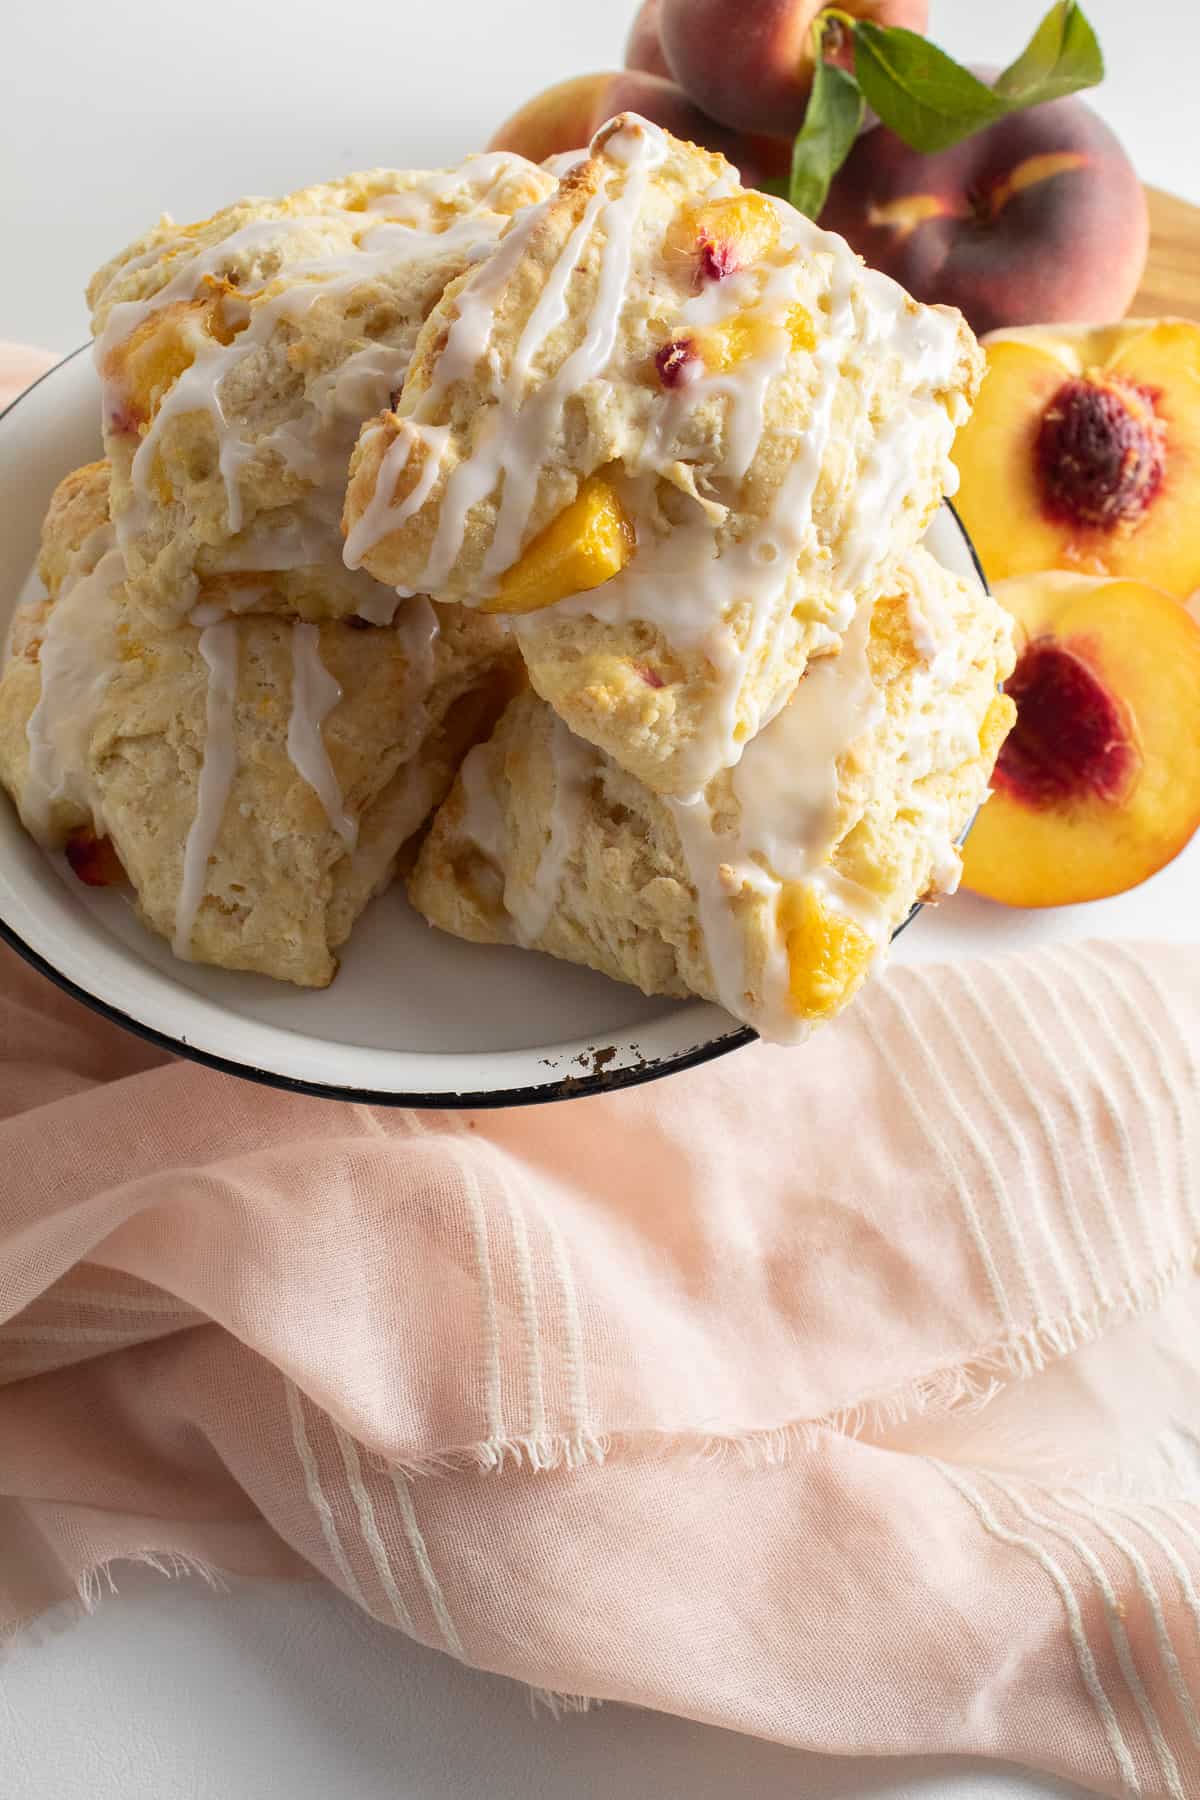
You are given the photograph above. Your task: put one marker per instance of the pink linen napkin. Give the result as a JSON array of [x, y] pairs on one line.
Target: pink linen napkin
[[847, 1396]]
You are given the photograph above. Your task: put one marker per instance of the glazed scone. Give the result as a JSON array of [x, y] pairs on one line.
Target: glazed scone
[[255, 776], [239, 357], [776, 890], [679, 431]]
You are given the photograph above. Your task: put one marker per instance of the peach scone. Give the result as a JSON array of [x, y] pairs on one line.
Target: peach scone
[[777, 888], [677, 431], [253, 777], [239, 357]]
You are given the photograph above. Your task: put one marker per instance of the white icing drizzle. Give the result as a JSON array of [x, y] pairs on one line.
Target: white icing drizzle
[[296, 537], [482, 822], [563, 161], [208, 612], [780, 828], [929, 618], [471, 330], [529, 905], [362, 385], [315, 693], [380, 516], [686, 586], [786, 783], [418, 623], [76, 661], [379, 607], [764, 298], [219, 648], [776, 821], [318, 446], [522, 420]]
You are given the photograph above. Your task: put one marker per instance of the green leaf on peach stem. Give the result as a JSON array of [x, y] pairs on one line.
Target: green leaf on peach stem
[[923, 95], [1061, 57], [831, 124], [926, 98]]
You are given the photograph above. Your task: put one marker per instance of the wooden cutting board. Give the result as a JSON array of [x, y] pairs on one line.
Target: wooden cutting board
[[1171, 283]]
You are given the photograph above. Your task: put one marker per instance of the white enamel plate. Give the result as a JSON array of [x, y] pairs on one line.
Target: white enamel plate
[[414, 1017]]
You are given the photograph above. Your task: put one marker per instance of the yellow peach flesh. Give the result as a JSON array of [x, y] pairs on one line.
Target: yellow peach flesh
[[746, 335], [588, 543], [828, 954], [724, 235]]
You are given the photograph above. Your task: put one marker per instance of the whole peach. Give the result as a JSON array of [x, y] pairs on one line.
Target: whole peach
[[643, 47], [567, 116], [1040, 217], [750, 62]]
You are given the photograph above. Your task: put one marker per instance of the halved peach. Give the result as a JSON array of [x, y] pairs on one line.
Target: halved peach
[[590, 541], [1083, 453], [1098, 783]]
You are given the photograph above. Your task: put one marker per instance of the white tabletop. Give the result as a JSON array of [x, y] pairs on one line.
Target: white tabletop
[[111, 115]]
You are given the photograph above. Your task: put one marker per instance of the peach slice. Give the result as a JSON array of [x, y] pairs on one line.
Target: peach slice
[[1084, 453], [1098, 783], [590, 541]]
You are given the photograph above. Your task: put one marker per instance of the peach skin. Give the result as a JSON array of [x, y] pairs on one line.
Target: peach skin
[[1098, 783], [567, 116], [643, 46], [1039, 217], [749, 63], [1084, 453]]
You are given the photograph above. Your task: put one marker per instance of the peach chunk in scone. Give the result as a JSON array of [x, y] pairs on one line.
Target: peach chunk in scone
[[1098, 785], [1084, 453]]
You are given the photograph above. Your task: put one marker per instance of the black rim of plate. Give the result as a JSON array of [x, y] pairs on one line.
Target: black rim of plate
[[555, 1087]]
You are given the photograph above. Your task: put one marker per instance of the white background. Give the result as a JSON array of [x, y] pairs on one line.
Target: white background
[[108, 116], [113, 113]]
